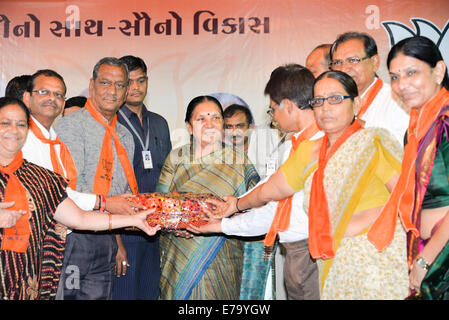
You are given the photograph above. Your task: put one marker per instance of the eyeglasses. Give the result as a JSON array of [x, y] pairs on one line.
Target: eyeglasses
[[47, 93], [337, 99], [270, 112], [352, 61]]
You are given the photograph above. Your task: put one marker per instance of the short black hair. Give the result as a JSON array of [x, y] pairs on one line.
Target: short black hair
[[293, 82], [78, 101], [368, 42], [47, 73], [110, 61], [6, 101], [134, 63], [17, 86], [234, 108]]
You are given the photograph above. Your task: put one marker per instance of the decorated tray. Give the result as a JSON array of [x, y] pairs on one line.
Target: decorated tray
[[175, 210]]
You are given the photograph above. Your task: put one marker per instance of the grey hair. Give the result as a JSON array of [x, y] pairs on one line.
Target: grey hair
[[110, 61]]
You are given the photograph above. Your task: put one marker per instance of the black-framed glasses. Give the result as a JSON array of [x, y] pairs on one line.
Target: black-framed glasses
[[336, 99], [47, 93], [351, 61], [270, 112]]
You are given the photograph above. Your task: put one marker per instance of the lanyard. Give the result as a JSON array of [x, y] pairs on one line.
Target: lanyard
[[278, 145], [147, 142]]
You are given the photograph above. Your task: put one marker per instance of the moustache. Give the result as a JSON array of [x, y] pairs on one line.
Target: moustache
[[49, 102]]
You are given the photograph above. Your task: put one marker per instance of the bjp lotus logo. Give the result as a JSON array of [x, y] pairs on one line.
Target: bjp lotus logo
[[398, 31]]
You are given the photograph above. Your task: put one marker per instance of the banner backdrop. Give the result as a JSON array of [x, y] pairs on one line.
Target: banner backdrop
[[201, 46]]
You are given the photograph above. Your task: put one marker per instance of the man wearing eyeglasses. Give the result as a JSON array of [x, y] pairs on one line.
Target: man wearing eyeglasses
[[101, 148], [356, 54], [45, 97], [290, 90]]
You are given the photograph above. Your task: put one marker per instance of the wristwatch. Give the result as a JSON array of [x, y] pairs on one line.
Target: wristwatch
[[422, 263]]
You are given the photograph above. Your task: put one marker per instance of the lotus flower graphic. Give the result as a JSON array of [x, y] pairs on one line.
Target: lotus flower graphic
[[397, 31]]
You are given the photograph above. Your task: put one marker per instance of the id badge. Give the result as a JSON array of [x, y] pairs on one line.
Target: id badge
[[147, 161], [271, 166]]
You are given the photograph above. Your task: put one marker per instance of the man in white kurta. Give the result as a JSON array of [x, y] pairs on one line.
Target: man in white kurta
[[356, 54]]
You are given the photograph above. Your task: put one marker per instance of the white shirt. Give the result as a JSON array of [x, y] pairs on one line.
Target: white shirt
[[38, 152], [264, 148], [257, 221], [384, 112]]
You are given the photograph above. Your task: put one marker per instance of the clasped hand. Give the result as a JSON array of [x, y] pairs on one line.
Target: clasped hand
[[8, 218]]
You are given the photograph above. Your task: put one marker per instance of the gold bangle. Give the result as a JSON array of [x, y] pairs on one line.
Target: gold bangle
[[110, 220]]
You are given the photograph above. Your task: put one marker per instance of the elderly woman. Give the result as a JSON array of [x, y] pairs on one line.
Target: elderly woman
[[203, 267], [347, 177], [419, 78], [34, 201]]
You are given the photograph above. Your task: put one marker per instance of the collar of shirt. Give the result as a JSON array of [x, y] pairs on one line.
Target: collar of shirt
[[47, 134], [129, 113], [367, 89]]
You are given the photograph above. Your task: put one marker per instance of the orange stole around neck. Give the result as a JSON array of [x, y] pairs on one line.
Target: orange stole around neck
[[66, 158], [321, 243], [402, 200], [281, 220], [16, 238], [104, 172]]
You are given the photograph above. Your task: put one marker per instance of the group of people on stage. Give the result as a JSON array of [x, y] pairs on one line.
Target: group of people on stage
[[355, 187]]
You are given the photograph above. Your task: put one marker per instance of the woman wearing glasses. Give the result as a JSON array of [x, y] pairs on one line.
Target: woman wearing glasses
[[347, 177]]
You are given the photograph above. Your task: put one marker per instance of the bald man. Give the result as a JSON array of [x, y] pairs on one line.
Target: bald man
[[318, 60]]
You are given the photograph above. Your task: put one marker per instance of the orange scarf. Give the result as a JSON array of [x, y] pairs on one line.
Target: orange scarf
[[281, 220], [66, 157], [17, 237], [369, 97], [103, 174], [321, 242], [401, 200]]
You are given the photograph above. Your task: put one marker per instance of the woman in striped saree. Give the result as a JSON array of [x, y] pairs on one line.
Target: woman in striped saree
[[33, 209], [203, 267]]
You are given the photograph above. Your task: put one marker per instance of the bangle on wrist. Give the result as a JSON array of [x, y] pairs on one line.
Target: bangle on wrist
[[237, 205], [422, 263], [110, 221], [102, 203]]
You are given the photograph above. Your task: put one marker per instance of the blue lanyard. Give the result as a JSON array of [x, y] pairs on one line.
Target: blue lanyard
[[147, 143]]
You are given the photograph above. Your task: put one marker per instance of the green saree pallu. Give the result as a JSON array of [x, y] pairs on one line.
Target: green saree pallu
[[435, 285]]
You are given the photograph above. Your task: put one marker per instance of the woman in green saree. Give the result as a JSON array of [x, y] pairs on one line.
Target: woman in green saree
[[203, 267], [420, 79]]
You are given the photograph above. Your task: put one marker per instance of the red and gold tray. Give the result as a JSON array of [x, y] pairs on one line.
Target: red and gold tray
[[175, 210]]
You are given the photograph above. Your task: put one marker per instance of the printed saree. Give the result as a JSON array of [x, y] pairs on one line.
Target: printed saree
[[34, 274], [358, 270], [203, 267]]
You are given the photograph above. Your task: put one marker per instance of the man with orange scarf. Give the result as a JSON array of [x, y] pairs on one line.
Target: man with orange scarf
[[356, 54], [289, 89], [44, 98], [101, 149]]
